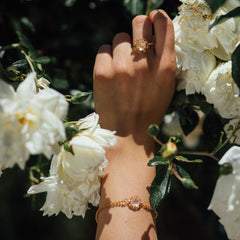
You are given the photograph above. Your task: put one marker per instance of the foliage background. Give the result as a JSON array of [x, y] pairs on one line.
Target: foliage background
[[71, 36]]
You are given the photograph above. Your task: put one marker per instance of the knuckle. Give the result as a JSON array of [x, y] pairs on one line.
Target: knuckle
[[169, 66], [141, 67], [102, 73], [122, 69]]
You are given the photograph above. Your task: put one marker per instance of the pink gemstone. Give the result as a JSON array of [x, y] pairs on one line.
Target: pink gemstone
[[141, 45], [135, 203]]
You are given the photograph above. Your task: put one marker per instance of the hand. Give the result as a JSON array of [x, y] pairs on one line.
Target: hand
[[133, 90]]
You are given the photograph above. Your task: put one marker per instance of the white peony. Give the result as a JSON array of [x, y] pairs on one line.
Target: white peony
[[227, 33], [191, 26], [193, 68], [31, 121], [197, 47], [221, 91], [226, 197], [71, 202], [75, 178]]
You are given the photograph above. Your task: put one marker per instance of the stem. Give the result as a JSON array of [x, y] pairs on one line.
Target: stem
[[72, 122], [227, 140], [199, 154], [10, 46], [175, 172], [220, 147], [29, 60], [158, 141], [149, 6], [31, 175]]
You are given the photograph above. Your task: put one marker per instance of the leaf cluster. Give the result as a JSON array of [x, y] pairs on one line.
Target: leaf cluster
[[168, 166]]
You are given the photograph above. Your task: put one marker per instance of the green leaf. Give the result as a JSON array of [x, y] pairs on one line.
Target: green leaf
[[225, 169], [23, 39], [153, 4], [186, 179], [80, 97], [135, 7], [71, 130], [25, 21], [183, 159], [68, 148], [235, 66], [182, 172], [153, 130], [215, 4], [158, 160], [43, 60], [206, 107], [20, 63], [220, 19], [160, 187], [188, 119], [212, 128], [59, 80], [14, 75]]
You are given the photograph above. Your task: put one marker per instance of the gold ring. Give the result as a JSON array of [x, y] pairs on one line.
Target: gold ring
[[141, 45]]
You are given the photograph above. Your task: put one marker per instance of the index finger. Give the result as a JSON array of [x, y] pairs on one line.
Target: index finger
[[163, 31]]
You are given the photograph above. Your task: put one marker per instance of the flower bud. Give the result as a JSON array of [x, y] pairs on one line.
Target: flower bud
[[188, 183], [170, 150], [153, 130]]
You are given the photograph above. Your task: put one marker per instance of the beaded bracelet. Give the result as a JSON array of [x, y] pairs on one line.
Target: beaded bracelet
[[133, 203]]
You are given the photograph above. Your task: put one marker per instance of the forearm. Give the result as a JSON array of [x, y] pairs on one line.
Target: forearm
[[127, 175]]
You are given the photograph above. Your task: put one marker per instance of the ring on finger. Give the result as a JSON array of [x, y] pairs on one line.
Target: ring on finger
[[141, 45]]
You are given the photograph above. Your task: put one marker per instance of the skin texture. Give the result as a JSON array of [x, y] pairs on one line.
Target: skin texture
[[131, 91]]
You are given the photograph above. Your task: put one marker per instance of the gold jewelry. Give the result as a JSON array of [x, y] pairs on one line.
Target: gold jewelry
[[133, 203], [141, 45]]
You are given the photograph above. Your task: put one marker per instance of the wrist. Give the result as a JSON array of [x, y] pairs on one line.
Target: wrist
[[128, 173], [127, 145]]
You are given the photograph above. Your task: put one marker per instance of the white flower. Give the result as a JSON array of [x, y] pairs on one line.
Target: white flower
[[197, 47], [192, 28], [103, 137], [75, 178], [70, 202], [221, 91], [226, 197], [193, 68], [31, 121]]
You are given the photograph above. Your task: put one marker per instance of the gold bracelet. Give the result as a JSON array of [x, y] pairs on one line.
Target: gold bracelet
[[133, 203]]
